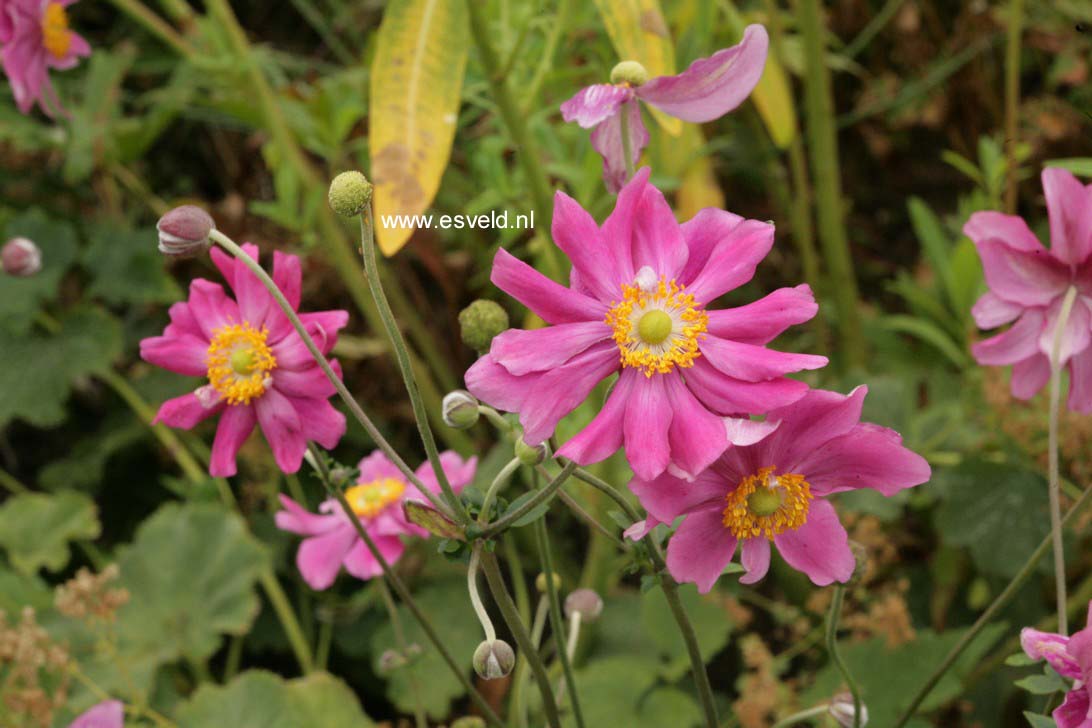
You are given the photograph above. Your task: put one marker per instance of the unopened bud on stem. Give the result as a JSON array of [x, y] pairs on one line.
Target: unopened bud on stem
[[460, 409], [184, 231], [841, 708], [20, 257], [586, 602], [530, 454], [540, 582], [350, 194], [480, 322], [494, 659]]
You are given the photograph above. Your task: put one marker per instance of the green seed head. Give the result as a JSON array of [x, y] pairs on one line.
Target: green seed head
[[242, 361], [630, 72], [654, 327], [350, 194], [764, 501], [480, 322]]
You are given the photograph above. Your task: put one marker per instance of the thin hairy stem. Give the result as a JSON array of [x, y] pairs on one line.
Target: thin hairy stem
[[833, 617], [403, 647], [804, 715], [1055, 498], [541, 496]]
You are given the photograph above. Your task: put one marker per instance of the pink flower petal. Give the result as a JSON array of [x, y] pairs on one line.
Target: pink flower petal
[[640, 529], [700, 549], [755, 363], [496, 386], [211, 307], [235, 427], [319, 557], [1080, 382], [552, 302], [179, 353], [1029, 375], [604, 434], [733, 262], [182, 321], [868, 456], [767, 318], [321, 421], [1069, 204], [646, 426], [1008, 229], [1052, 648], [617, 230], [711, 87], [185, 412], [297, 519], [657, 239], [820, 547], [728, 396], [697, 436], [575, 232], [1075, 711], [310, 382], [1077, 334], [459, 472], [107, 714], [816, 418], [743, 431], [1016, 344], [703, 233], [288, 276], [1029, 278], [558, 392], [525, 351], [755, 559], [606, 139], [592, 105], [323, 326], [377, 466], [666, 497], [363, 565], [282, 428], [992, 311]]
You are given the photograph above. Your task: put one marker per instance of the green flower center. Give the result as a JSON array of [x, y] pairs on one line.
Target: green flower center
[[764, 501], [654, 327]]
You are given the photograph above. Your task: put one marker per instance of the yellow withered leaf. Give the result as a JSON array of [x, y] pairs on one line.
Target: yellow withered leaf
[[639, 32], [416, 84], [773, 99]]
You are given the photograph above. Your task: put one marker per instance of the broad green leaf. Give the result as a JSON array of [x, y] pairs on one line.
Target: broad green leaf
[[1039, 721], [127, 267], [82, 466], [666, 706], [19, 590], [710, 621], [997, 510], [1047, 684], [611, 690], [20, 298], [36, 528], [416, 82], [88, 340], [638, 32], [259, 698], [1080, 166], [930, 334], [190, 572]]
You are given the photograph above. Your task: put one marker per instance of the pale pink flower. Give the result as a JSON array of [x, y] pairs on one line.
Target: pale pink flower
[[34, 38], [1071, 657]]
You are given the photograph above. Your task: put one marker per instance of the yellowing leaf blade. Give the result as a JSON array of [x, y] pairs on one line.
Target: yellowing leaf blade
[[773, 99], [416, 84]]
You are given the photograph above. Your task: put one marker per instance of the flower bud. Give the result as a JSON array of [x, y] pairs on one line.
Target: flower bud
[[630, 72], [460, 409], [468, 721], [184, 231], [494, 659], [841, 708], [586, 602], [21, 257], [350, 194], [530, 454], [480, 322], [540, 582]]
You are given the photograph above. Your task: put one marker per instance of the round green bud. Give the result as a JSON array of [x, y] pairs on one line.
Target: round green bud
[[530, 454], [460, 409], [494, 659], [630, 72], [350, 194], [540, 582], [654, 327], [480, 322]]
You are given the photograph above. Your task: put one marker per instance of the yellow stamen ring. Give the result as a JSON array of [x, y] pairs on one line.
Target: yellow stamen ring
[[767, 505], [56, 37], [239, 361], [370, 499], [658, 327]]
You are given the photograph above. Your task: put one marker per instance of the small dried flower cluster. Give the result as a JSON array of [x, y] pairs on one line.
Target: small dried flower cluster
[[90, 597], [34, 671]]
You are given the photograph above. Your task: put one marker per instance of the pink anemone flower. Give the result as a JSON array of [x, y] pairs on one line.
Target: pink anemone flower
[[259, 371], [1028, 284], [331, 540], [636, 305], [107, 714], [34, 38], [707, 90], [1071, 657], [775, 493]]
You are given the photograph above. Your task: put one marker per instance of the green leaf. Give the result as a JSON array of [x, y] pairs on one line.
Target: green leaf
[[934, 242], [259, 698], [88, 341], [1019, 659], [711, 623], [36, 528], [611, 690], [18, 591], [190, 572], [433, 521], [1039, 721], [530, 516], [20, 298], [997, 510], [930, 334], [126, 267], [667, 706], [1080, 166], [1046, 684]]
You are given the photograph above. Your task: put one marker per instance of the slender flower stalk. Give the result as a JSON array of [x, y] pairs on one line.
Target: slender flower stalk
[[403, 646], [491, 493], [519, 678], [803, 716], [1055, 499], [475, 598], [833, 617], [627, 145], [999, 603], [541, 496], [1015, 27]]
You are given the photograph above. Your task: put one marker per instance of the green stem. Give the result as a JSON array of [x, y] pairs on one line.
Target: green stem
[[234, 657], [155, 25], [581, 513], [491, 493], [403, 647], [1015, 23], [557, 621], [324, 642], [833, 617], [1055, 498], [401, 355], [546, 61], [1025, 573], [541, 496], [11, 483], [283, 608], [402, 591], [515, 121], [523, 639], [519, 677], [830, 212], [802, 716], [872, 29], [627, 143]]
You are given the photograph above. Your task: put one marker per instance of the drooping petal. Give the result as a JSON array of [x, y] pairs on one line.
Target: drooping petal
[[459, 472], [991, 311], [667, 497], [999, 227], [818, 417], [552, 302], [646, 426], [604, 434], [1029, 375], [1029, 278], [640, 529], [606, 139], [1019, 342], [700, 549], [868, 456], [558, 392], [1080, 382], [185, 412], [755, 363], [297, 519], [657, 240], [592, 105], [696, 435], [728, 396], [755, 559], [1052, 648], [282, 428], [575, 232], [319, 557], [179, 353], [235, 426], [524, 351], [1069, 205], [496, 386], [713, 86], [767, 318], [363, 565], [820, 547]]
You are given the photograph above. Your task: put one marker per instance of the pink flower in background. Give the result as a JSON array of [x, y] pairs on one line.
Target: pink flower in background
[[258, 369], [108, 714], [1071, 657], [775, 493], [707, 90], [331, 539], [1028, 284], [636, 304], [34, 37]]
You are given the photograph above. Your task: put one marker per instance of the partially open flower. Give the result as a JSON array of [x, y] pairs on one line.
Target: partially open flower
[[585, 602], [184, 231], [494, 659], [20, 257], [35, 38], [460, 409]]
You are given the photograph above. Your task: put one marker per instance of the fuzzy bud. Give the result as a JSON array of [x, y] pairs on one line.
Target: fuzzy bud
[[184, 231], [630, 72], [530, 454], [21, 257], [586, 602], [350, 194], [540, 582], [468, 721], [494, 659], [841, 708], [480, 322], [460, 409]]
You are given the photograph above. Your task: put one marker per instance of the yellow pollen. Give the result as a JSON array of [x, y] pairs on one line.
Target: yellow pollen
[[239, 362], [369, 499], [658, 329], [56, 37], [767, 505]]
